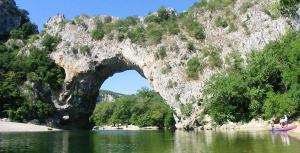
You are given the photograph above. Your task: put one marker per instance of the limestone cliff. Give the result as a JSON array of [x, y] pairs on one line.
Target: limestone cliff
[[10, 17], [108, 96], [88, 62]]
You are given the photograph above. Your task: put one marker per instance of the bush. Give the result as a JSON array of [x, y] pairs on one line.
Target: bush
[[221, 22], [163, 14], [35, 110], [213, 4], [50, 42], [97, 34], [289, 7], [24, 31], [194, 28], [120, 37], [194, 66], [191, 47], [172, 27], [279, 105], [273, 10], [154, 33], [225, 100], [137, 35], [98, 23]]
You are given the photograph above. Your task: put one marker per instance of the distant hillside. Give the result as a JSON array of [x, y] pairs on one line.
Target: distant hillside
[[108, 96]]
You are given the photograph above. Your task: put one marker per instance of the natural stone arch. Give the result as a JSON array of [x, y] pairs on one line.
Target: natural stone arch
[[81, 93], [85, 70]]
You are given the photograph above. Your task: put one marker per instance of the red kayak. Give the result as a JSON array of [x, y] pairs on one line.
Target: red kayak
[[285, 128]]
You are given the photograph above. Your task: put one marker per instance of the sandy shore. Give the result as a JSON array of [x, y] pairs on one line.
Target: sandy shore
[[23, 127]]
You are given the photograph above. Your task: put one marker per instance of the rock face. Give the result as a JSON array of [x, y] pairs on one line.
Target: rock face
[[108, 96], [10, 17], [86, 71]]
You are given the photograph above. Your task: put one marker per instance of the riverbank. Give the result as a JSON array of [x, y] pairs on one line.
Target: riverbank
[[125, 127], [23, 127]]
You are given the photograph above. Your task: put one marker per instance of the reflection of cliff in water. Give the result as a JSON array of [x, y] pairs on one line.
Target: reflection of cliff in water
[[233, 142]]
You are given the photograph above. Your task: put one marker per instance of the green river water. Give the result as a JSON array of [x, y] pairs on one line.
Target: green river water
[[147, 142]]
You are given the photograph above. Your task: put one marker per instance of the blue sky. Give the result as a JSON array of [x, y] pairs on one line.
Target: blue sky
[[127, 82]]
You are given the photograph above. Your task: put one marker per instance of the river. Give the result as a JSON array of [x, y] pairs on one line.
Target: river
[[147, 142]]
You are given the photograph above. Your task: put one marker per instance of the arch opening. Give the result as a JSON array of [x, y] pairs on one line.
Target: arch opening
[[80, 98]]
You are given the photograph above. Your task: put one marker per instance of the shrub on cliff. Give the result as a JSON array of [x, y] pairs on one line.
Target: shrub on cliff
[[194, 28], [50, 42], [194, 67], [221, 22], [137, 35], [289, 7], [154, 33], [24, 31], [97, 34]]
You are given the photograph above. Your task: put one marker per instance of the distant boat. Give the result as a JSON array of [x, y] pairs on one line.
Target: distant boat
[[287, 128]]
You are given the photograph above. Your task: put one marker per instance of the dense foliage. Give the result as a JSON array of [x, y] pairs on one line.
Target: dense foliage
[[289, 7], [267, 86], [146, 108], [18, 100]]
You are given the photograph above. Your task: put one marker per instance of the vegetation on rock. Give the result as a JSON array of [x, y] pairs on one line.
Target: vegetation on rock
[[267, 86], [194, 67], [146, 108], [19, 73]]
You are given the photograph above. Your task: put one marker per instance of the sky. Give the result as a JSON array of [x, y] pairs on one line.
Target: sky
[[127, 82]]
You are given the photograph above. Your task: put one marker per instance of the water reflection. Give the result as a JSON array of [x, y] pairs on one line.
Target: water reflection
[[148, 142], [234, 142], [285, 138]]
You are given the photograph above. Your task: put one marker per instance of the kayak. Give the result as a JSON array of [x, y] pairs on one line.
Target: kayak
[[285, 128]]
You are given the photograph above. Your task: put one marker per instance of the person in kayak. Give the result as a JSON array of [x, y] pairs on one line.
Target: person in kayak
[[281, 122], [273, 122], [285, 119]]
